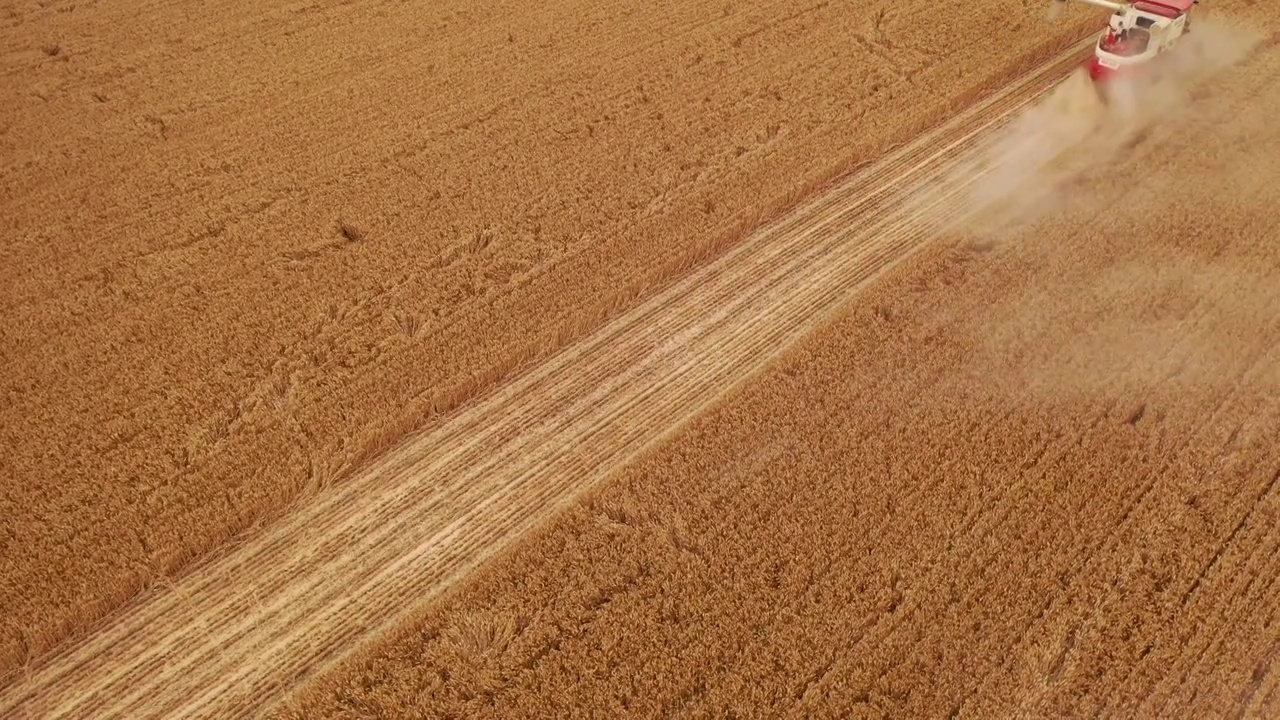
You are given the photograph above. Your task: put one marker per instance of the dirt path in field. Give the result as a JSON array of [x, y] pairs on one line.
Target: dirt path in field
[[274, 611], [1033, 474]]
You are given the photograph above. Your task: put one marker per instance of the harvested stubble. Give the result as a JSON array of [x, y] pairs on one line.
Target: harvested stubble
[[190, 341], [1035, 474]]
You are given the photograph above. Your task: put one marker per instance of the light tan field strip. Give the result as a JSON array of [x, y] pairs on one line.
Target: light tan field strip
[[241, 630]]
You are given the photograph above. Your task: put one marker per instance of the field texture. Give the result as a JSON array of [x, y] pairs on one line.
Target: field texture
[[1034, 473], [351, 563], [1031, 471], [247, 247]]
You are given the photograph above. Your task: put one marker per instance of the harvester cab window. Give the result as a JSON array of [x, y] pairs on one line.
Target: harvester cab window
[[1126, 43]]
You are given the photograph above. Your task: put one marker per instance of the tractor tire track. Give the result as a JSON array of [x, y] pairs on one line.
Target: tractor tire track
[[237, 633]]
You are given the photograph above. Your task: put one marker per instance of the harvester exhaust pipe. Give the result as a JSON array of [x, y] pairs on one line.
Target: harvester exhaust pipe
[[1056, 7], [1112, 6]]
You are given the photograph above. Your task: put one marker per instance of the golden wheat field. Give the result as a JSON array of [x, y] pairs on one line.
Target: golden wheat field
[[677, 358]]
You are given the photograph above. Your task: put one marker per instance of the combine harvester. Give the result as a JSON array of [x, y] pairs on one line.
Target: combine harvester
[[1145, 74], [1142, 64], [1138, 34], [1139, 76]]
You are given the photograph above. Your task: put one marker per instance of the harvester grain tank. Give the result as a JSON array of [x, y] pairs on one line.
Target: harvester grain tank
[[1137, 33]]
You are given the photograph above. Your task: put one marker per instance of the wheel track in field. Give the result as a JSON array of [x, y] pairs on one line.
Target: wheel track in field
[[238, 632]]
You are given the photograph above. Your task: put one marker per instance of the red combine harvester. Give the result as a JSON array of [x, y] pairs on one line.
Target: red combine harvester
[[1138, 32]]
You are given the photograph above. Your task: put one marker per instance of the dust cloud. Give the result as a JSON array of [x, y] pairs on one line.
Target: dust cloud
[[1072, 133], [1172, 322], [1137, 278]]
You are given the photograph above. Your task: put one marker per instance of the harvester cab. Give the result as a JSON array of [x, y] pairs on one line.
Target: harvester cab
[[1137, 33]]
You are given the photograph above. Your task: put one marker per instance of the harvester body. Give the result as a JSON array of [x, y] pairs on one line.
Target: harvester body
[[1137, 33]]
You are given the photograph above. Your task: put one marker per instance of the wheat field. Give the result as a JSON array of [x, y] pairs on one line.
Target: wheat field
[[669, 358], [1031, 473]]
